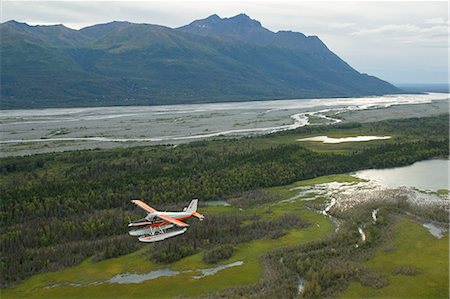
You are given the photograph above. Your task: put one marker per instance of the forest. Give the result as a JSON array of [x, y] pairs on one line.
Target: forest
[[60, 208]]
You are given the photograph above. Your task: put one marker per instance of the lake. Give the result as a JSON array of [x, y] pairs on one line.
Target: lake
[[425, 175]]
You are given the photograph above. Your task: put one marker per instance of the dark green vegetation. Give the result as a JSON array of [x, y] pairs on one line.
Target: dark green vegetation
[[218, 231], [57, 209], [218, 253], [327, 267], [121, 63]]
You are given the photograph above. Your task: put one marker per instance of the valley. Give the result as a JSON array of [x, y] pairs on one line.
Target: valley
[[25, 132], [300, 219]]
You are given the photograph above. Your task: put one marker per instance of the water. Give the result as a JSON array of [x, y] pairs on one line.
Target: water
[[138, 278], [47, 130], [300, 286], [129, 278], [329, 206], [425, 175], [374, 215], [326, 139], [217, 203], [214, 270], [436, 231], [362, 234]]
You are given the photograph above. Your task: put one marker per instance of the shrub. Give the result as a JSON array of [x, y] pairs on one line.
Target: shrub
[[218, 253], [372, 279], [406, 270], [172, 254]]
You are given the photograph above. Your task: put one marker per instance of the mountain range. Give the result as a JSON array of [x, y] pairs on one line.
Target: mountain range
[[209, 60]]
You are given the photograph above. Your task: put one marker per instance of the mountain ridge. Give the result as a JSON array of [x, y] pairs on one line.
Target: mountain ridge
[[209, 60]]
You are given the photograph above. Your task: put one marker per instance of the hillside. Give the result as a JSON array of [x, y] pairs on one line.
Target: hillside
[[210, 60]]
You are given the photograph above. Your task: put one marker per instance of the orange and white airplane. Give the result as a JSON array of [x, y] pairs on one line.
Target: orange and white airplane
[[154, 226]]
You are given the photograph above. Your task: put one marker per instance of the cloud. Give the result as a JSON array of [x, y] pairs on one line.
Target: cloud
[[399, 29], [435, 21], [420, 34], [342, 25], [386, 29]]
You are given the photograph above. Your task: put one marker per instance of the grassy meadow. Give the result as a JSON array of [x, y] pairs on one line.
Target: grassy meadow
[[414, 247]]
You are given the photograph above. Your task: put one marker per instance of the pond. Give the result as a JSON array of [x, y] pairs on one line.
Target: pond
[[130, 278], [126, 278], [138, 278], [425, 175], [326, 139], [217, 203]]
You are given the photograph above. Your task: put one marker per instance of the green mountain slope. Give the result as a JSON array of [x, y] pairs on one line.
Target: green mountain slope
[[210, 60]]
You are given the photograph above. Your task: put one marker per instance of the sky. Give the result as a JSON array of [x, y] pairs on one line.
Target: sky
[[398, 41]]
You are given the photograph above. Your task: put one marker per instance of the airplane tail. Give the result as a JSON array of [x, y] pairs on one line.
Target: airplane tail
[[192, 209], [192, 206]]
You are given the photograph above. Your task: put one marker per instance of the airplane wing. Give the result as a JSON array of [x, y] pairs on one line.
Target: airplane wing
[[149, 209], [172, 220], [144, 206]]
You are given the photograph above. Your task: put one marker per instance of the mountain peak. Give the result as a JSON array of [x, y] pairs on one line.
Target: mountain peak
[[99, 30], [15, 24], [213, 17], [24, 26], [243, 20], [238, 25], [241, 16]]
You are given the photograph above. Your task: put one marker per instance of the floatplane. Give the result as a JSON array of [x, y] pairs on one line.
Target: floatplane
[[156, 226]]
